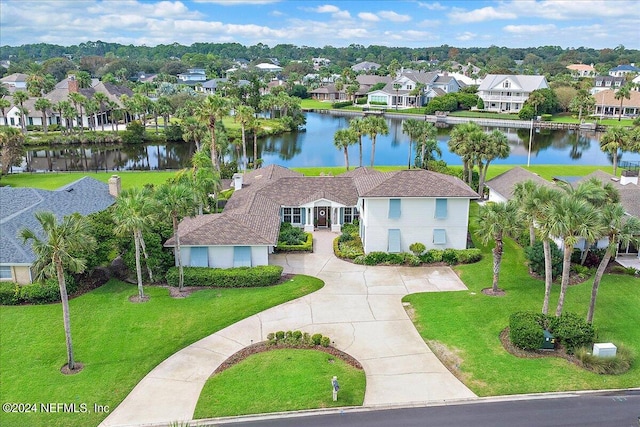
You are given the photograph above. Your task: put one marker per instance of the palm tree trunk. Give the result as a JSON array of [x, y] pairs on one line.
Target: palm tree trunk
[[255, 149], [497, 259], [178, 254], [66, 318], [146, 256], [360, 148], [532, 233], [346, 157], [615, 162], [566, 270], [136, 239], [214, 154], [373, 150], [548, 275], [244, 149], [596, 283], [483, 174], [409, 156]]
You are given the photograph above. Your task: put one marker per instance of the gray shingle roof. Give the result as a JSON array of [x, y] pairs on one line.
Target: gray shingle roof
[[18, 206], [629, 194], [420, 183], [504, 183]]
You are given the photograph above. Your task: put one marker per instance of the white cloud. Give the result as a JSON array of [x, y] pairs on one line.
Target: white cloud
[[236, 2], [343, 14], [432, 6], [480, 15], [529, 29], [327, 8], [572, 10], [368, 16], [393, 16], [466, 36]]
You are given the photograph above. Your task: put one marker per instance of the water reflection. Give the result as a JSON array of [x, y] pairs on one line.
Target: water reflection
[[314, 147]]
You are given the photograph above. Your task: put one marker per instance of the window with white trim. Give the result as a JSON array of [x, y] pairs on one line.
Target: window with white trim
[[507, 83], [350, 214], [5, 272], [394, 208], [199, 256], [292, 215]]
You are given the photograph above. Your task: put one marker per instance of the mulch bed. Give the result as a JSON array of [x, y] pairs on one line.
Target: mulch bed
[[574, 278], [136, 298], [560, 351], [498, 293], [263, 346], [65, 369]]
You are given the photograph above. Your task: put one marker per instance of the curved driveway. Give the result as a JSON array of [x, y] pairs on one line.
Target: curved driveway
[[359, 307]]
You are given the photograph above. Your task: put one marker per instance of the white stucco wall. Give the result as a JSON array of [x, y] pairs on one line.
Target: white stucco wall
[[416, 223], [496, 197]]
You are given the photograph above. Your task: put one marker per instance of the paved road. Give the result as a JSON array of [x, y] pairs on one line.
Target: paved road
[[615, 409]]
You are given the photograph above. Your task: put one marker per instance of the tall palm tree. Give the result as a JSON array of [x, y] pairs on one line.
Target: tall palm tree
[[133, 213], [620, 229], [413, 129], [114, 114], [42, 105], [623, 92], [244, 114], [342, 139], [201, 178], [524, 196], [78, 101], [374, 126], [5, 104], [254, 125], [19, 97], [428, 144], [69, 113], [102, 100], [177, 202], [212, 109], [357, 125], [193, 130], [460, 144], [11, 148], [495, 146], [616, 138], [57, 253], [497, 220]]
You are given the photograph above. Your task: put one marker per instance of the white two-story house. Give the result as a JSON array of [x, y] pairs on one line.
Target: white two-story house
[[401, 92], [505, 93]]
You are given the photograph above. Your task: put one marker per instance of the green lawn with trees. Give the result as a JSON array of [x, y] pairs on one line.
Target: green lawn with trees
[[280, 380], [117, 341]]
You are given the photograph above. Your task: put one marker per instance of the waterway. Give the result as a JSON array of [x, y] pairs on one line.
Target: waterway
[[314, 147]]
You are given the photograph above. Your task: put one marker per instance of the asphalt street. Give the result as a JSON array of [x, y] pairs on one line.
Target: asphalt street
[[614, 409]]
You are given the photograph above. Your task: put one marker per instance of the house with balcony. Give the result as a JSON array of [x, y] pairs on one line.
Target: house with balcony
[[393, 209], [505, 93], [623, 70], [582, 70], [412, 89], [193, 75], [608, 106]]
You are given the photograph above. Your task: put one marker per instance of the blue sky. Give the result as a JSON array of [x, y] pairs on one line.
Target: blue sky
[[511, 23]]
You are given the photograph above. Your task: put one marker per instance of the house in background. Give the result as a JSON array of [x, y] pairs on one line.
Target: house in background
[[404, 90], [84, 196], [582, 70], [601, 83], [365, 67], [15, 81], [501, 187], [193, 75], [214, 85], [622, 70], [268, 68], [504, 93], [608, 106], [394, 209]]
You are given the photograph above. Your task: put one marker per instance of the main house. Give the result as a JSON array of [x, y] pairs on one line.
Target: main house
[[505, 93], [394, 209], [84, 196], [413, 89]]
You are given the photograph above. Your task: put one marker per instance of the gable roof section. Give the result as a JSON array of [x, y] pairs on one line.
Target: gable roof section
[[227, 229], [504, 183], [420, 183], [84, 196], [525, 83]]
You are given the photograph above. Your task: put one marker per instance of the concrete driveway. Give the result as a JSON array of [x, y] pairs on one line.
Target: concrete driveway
[[359, 307]]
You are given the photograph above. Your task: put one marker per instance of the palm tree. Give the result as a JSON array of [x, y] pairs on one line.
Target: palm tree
[[78, 100], [524, 196], [244, 114], [42, 105], [624, 92], [460, 143], [132, 214], [495, 146], [374, 126], [497, 220], [413, 129], [177, 202], [620, 229], [102, 100], [5, 104], [58, 252], [20, 97], [213, 108], [201, 178], [536, 99], [428, 144], [114, 114], [614, 140], [397, 87], [342, 139], [11, 148], [357, 125], [254, 125], [193, 130], [69, 113], [582, 101]]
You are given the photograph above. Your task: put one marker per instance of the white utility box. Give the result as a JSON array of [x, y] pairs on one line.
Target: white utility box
[[604, 349]]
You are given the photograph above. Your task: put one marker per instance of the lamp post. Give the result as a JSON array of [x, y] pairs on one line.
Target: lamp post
[[397, 87], [530, 141]]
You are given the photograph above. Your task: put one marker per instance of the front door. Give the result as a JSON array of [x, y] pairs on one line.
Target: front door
[[322, 215]]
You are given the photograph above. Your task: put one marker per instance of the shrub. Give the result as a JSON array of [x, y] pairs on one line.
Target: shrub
[[359, 260], [375, 258], [341, 104], [545, 117], [469, 256], [417, 248], [345, 237], [238, 277], [412, 260], [526, 329], [619, 364], [305, 246], [450, 256], [618, 269], [9, 292], [572, 331], [316, 338], [134, 133], [280, 335], [526, 112], [535, 256], [581, 270], [431, 256], [290, 235], [325, 341]]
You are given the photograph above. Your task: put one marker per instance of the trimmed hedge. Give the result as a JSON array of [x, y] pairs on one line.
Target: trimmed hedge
[[572, 331], [305, 247], [341, 104], [238, 277], [35, 293], [526, 330]]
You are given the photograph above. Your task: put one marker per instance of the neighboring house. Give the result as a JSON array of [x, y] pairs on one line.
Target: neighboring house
[[266, 67], [608, 105], [193, 75], [84, 196], [508, 93], [622, 70], [395, 209], [320, 62], [601, 83], [365, 67], [214, 85], [142, 77], [17, 81], [401, 91], [636, 82], [501, 187], [582, 70], [328, 93]]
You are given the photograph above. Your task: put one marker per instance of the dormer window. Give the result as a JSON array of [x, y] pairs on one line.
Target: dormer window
[[506, 84]]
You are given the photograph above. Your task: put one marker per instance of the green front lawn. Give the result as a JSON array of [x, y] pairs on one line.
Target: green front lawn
[[118, 342], [280, 380], [55, 180], [313, 104], [469, 324]]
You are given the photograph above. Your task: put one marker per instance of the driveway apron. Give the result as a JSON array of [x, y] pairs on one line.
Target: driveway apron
[[359, 307]]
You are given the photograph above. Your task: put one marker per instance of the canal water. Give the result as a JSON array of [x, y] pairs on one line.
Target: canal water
[[314, 147]]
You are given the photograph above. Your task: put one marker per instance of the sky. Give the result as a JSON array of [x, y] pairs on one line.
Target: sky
[[472, 23]]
